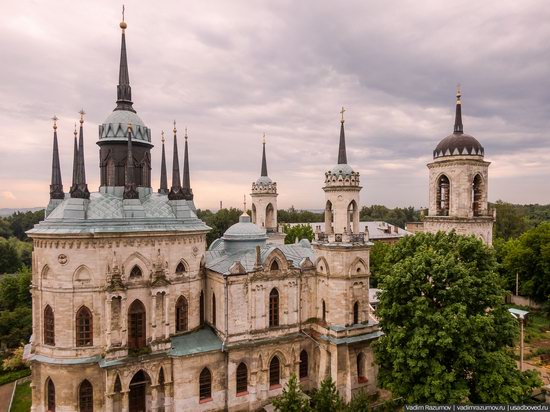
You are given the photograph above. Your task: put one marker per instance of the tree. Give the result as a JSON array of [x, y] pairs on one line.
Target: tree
[[15, 361], [219, 221], [298, 232], [359, 402], [510, 220], [10, 260], [292, 399], [377, 255], [447, 332], [327, 398]]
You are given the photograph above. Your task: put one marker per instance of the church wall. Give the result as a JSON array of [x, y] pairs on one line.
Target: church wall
[[482, 228]]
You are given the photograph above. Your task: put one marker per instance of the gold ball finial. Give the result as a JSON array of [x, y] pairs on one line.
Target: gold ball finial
[[162, 136], [130, 127], [458, 93], [82, 113], [263, 139], [75, 130], [55, 119], [175, 130], [186, 133], [123, 24]]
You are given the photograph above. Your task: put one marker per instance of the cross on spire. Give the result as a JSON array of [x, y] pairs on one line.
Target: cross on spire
[[82, 113], [342, 113]]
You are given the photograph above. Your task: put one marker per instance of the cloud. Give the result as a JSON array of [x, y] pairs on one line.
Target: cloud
[[7, 195], [230, 71]]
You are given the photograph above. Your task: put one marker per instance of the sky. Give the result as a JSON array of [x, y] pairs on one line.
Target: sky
[[231, 71]]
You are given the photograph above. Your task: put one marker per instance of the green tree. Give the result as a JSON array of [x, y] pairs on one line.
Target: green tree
[[292, 399], [15, 326], [327, 398], [447, 331], [10, 261], [298, 232], [359, 403], [377, 255], [219, 221], [510, 220]]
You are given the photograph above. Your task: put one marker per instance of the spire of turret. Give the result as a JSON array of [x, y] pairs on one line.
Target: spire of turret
[[80, 189], [264, 162], [163, 180], [56, 186], [75, 160], [124, 91], [176, 190], [458, 116], [342, 157], [186, 186], [130, 191]]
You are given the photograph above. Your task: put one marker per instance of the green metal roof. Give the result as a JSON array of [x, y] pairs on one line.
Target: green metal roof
[[203, 340]]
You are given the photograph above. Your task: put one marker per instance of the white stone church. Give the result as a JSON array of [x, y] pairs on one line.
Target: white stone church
[[132, 312]]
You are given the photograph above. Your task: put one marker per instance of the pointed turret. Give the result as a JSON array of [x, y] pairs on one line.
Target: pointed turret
[[130, 191], [163, 180], [124, 91], [176, 190], [75, 160], [186, 187], [264, 162], [56, 186], [458, 116], [80, 189], [342, 157]]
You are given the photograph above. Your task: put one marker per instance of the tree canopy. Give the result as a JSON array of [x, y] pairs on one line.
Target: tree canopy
[[447, 332], [298, 232]]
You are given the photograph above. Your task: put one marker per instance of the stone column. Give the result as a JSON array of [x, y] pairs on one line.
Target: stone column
[[166, 317], [124, 401], [154, 316], [169, 397], [109, 402], [108, 309], [124, 321], [154, 398]]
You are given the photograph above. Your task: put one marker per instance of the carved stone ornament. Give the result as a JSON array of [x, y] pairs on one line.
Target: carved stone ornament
[[63, 259]]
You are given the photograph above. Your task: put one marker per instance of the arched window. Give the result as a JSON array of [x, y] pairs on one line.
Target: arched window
[[274, 265], [161, 391], [180, 269], [476, 195], [323, 310], [304, 367], [443, 198], [205, 385], [118, 386], [201, 308], [50, 395], [242, 379], [136, 325], [274, 372], [269, 216], [110, 181], [361, 367], [135, 272], [274, 307], [84, 327], [213, 309], [356, 313], [181, 314], [86, 397], [49, 326]]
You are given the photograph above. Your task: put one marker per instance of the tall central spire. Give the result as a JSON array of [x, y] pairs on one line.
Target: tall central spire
[[186, 187], [342, 157], [163, 180], [458, 116], [264, 162], [56, 186], [124, 91]]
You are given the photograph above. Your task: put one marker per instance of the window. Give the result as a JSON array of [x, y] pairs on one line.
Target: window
[[118, 386], [274, 372], [181, 314], [476, 195], [356, 313], [84, 325], [180, 269], [274, 265], [135, 272], [86, 397], [242, 378], [49, 326], [273, 307], [443, 196], [110, 173], [324, 310], [303, 364], [136, 325], [50, 395], [361, 368], [205, 385], [213, 309], [201, 308]]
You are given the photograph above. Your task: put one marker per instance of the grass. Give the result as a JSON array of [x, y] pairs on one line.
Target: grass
[[22, 399], [537, 336]]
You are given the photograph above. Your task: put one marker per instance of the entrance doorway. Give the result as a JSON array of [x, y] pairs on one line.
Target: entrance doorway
[[138, 392]]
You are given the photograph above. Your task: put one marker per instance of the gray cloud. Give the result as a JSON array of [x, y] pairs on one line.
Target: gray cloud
[[230, 71]]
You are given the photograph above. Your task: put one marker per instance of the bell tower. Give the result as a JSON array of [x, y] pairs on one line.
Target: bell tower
[[264, 199]]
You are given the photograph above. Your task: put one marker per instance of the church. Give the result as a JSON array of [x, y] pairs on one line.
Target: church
[[132, 312]]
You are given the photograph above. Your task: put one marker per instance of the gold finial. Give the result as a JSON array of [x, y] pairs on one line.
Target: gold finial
[[123, 24], [55, 119], [186, 133], [458, 93], [264, 138], [130, 127], [244, 199], [75, 130], [175, 127], [82, 113], [342, 113], [162, 136]]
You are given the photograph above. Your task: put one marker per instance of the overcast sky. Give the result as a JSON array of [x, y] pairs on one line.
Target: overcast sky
[[232, 70]]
